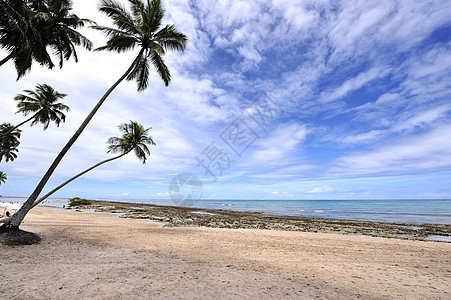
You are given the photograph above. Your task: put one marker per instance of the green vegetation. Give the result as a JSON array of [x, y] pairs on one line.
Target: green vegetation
[[2, 177], [9, 141], [135, 137], [142, 29], [29, 29], [43, 103], [79, 202]]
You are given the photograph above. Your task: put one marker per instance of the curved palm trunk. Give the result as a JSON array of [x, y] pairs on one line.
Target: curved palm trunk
[[17, 126], [3, 61], [18, 217], [75, 177]]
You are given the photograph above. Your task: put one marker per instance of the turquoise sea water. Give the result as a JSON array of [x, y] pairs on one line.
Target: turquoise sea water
[[393, 211]]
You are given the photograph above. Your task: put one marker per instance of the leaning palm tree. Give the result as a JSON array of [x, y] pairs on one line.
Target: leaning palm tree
[[134, 138], [9, 141], [3, 177], [142, 28], [27, 28], [43, 103]]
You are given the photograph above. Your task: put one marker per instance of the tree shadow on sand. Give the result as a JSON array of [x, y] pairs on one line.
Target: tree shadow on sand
[[17, 237]]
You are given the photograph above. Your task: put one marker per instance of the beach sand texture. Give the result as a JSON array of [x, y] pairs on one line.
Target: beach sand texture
[[100, 256]]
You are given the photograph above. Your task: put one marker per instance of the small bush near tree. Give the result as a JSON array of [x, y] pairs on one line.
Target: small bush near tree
[[79, 202]]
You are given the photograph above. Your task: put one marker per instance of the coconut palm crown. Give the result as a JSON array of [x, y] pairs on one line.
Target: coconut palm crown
[[28, 27], [43, 102], [57, 27], [142, 27], [3, 177], [9, 141], [19, 38], [135, 138]]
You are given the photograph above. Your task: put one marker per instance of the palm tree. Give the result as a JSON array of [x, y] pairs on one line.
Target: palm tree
[[19, 37], [9, 142], [44, 105], [57, 25], [29, 27], [2, 177], [141, 28], [135, 138]]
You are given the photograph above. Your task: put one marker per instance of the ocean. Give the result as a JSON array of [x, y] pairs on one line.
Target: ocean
[[393, 211], [402, 211]]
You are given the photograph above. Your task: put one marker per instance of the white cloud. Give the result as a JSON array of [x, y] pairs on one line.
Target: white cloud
[[422, 118], [275, 149], [416, 153], [353, 84], [363, 137], [323, 189]]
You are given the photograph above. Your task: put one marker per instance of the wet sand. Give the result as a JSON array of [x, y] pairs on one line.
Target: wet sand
[[100, 256]]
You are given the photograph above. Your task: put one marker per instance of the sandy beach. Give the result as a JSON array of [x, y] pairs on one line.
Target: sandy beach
[[85, 255]]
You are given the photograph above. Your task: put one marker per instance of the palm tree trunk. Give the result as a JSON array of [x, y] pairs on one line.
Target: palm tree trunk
[[18, 217], [3, 61], [75, 177], [17, 126]]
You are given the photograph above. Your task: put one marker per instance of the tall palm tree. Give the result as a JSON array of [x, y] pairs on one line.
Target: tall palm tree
[[9, 142], [3, 177], [141, 28], [43, 103], [27, 28], [134, 138]]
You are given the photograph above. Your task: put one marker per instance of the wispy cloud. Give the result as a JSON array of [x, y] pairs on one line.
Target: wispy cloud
[[322, 189]]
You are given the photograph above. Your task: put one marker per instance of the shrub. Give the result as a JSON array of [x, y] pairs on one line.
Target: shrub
[[79, 202]]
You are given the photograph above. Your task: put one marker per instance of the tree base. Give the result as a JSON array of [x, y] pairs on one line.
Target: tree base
[[17, 237]]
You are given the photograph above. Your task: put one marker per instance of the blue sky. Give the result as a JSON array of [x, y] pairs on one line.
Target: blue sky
[[361, 93]]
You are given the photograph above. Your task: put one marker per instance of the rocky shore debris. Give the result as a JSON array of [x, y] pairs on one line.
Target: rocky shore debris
[[219, 218]]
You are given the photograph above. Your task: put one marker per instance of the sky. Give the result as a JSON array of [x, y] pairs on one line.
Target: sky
[[270, 100]]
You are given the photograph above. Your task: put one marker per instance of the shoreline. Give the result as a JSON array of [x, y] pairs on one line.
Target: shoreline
[[179, 216]]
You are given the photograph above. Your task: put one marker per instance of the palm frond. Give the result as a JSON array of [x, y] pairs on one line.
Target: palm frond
[[171, 39], [155, 13], [160, 67], [120, 16], [9, 142], [140, 73]]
